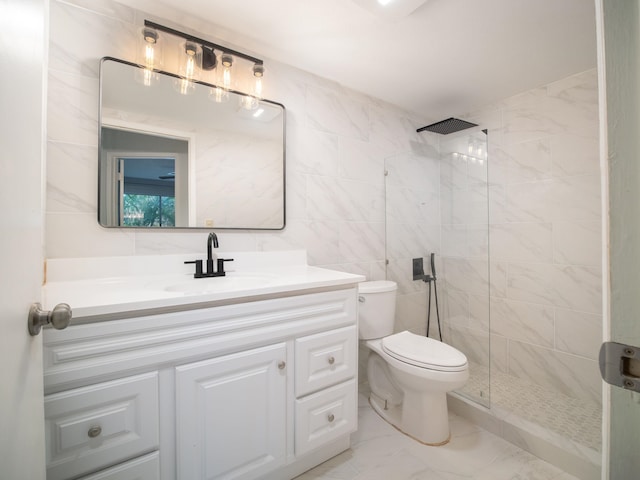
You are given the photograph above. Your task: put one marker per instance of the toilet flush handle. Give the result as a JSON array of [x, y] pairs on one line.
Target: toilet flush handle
[[361, 299]]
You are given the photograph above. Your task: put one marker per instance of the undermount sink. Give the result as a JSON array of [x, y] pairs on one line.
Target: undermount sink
[[234, 281]]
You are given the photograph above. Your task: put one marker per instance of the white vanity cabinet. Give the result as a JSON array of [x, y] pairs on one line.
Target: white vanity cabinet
[[264, 389]]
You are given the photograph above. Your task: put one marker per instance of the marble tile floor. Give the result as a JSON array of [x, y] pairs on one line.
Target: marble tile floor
[[380, 452], [577, 420]]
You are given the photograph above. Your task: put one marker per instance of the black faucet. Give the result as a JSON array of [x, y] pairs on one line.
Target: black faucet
[[212, 242]]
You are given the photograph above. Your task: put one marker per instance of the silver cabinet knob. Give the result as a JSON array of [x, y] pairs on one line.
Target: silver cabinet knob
[[331, 360], [330, 417], [59, 317], [94, 431], [281, 365]]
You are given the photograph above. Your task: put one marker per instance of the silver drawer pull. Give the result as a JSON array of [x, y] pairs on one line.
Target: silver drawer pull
[[331, 360], [330, 417], [281, 365], [94, 431]]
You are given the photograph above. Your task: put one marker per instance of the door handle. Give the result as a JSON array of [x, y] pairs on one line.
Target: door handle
[[620, 365], [59, 317]]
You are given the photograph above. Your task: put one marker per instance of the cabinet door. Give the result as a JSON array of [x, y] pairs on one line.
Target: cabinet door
[[231, 415]]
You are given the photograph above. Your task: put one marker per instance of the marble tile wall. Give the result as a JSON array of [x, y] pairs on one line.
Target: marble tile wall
[[544, 239], [337, 142], [543, 197]]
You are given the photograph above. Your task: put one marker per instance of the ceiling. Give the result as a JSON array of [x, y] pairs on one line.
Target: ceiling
[[442, 59]]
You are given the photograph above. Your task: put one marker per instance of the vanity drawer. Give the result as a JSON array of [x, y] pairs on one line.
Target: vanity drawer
[[142, 468], [325, 416], [97, 426], [325, 359]]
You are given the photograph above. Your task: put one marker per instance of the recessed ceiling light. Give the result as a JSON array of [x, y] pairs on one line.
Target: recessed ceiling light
[[389, 9]]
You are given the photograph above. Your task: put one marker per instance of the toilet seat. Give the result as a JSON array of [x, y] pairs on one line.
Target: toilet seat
[[424, 352]]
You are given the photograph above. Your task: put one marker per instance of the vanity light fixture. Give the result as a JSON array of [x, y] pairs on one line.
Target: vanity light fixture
[[149, 56], [209, 56]]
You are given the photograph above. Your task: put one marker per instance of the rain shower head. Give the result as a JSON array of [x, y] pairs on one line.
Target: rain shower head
[[445, 127]]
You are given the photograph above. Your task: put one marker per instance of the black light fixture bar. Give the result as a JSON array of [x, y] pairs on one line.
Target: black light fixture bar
[[206, 43]]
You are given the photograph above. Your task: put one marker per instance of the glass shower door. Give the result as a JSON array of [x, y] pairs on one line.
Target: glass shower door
[[465, 254], [437, 202]]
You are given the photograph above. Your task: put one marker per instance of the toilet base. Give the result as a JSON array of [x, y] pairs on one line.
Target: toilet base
[[426, 432]]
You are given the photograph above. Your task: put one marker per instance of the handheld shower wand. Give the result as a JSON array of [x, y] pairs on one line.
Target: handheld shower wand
[[432, 279]]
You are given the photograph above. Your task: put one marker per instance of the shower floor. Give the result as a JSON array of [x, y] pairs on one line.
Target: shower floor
[[577, 420]]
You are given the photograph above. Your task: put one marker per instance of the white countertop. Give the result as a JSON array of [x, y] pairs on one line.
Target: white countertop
[[104, 288]]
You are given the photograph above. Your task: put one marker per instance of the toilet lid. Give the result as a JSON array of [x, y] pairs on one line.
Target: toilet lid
[[424, 352], [377, 286]]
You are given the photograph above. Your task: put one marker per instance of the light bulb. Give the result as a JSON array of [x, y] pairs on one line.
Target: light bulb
[[189, 69], [226, 78], [190, 66], [258, 76], [248, 102], [149, 45], [184, 86], [219, 95], [149, 56], [148, 77], [226, 66]]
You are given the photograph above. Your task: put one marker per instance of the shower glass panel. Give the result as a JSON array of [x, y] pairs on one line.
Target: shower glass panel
[[464, 208], [437, 202], [412, 224]]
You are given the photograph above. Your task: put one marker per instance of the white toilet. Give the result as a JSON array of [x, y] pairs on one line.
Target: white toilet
[[409, 375]]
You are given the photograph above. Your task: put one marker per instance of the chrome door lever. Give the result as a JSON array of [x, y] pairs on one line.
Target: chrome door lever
[[59, 317]]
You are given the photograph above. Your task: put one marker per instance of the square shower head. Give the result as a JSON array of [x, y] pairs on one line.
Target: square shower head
[[445, 127]]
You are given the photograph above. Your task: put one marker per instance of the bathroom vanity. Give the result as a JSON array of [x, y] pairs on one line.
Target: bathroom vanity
[[159, 376]]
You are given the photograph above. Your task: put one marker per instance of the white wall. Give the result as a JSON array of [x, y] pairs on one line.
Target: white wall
[[337, 141]]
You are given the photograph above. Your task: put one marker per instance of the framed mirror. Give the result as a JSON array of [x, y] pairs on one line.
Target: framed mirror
[[169, 160]]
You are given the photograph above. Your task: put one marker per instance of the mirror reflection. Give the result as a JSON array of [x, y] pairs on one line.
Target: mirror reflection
[[173, 160]]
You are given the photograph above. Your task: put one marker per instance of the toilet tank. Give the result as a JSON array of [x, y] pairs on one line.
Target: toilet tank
[[376, 308]]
